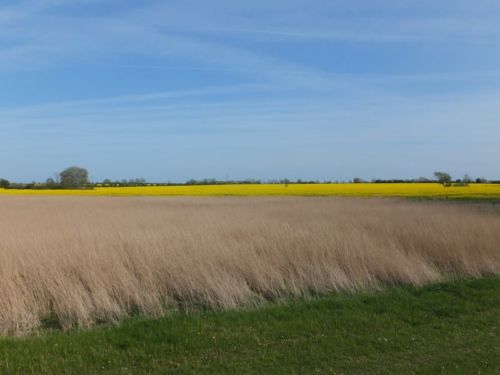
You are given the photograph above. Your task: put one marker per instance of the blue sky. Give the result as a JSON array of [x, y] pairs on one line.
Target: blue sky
[[172, 90]]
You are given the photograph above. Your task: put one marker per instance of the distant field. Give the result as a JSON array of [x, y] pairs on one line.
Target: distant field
[[473, 191], [69, 261]]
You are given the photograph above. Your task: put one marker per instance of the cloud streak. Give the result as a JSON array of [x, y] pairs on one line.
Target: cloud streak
[[287, 88]]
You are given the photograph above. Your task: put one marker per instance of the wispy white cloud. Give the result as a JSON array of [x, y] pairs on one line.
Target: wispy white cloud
[[436, 133], [125, 100], [168, 28], [278, 102], [383, 21]]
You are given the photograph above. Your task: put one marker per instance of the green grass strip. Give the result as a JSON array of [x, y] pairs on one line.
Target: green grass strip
[[441, 329]]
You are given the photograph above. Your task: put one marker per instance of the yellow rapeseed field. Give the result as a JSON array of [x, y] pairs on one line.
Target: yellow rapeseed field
[[361, 190]]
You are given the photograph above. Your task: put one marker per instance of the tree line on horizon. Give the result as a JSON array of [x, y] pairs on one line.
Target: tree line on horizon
[[78, 178]]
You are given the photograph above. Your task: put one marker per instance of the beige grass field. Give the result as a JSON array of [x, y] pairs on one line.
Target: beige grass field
[[84, 260]]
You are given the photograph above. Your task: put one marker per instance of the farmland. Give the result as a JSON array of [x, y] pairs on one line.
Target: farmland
[[413, 190]]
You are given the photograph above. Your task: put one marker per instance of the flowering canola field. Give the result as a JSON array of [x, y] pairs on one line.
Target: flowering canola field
[[425, 190]]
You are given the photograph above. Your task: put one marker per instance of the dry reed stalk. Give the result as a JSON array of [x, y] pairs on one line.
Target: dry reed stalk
[[84, 260]]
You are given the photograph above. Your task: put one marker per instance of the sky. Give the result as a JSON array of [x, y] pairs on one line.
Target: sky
[[311, 89]]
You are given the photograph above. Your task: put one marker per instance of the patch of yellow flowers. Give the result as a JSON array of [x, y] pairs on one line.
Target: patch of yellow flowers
[[349, 189]]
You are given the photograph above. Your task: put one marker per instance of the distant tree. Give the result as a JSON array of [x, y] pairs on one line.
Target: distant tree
[[481, 180], [107, 182], [422, 180], [466, 180], [443, 178], [74, 177], [137, 181], [209, 181], [56, 177], [357, 180], [4, 184], [50, 182]]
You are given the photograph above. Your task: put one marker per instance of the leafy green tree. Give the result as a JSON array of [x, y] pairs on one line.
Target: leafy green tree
[[74, 177], [50, 182], [443, 178], [4, 184]]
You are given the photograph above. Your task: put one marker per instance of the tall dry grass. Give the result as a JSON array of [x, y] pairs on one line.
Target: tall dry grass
[[86, 260]]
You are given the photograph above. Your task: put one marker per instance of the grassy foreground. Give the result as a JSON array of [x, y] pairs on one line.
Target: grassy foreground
[[414, 190], [444, 328]]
